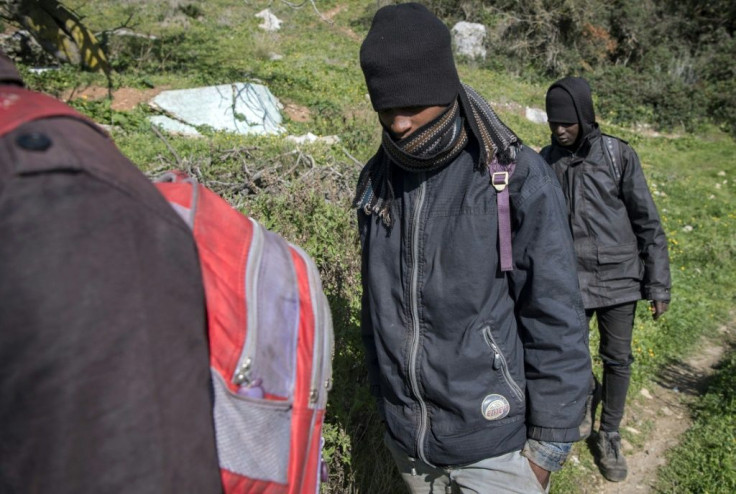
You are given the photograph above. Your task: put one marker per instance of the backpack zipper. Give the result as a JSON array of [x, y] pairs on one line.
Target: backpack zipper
[[242, 370], [321, 378]]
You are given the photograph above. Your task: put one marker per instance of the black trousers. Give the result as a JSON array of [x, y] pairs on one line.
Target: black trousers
[[616, 326]]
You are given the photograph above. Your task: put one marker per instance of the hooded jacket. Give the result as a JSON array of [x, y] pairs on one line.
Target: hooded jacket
[[620, 245], [469, 362]]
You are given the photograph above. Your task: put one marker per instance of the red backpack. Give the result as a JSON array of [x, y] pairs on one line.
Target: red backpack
[[271, 345]]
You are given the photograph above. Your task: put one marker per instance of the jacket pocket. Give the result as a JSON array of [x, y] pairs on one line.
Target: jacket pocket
[[617, 262], [500, 365]]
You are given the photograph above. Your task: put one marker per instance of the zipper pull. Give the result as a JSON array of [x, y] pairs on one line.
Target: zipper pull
[[496, 357], [242, 375], [496, 361]]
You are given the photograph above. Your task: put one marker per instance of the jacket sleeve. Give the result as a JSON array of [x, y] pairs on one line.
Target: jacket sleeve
[[366, 326], [645, 222], [103, 334], [549, 308]]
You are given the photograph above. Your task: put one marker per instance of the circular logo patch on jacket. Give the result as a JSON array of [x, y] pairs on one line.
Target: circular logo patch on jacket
[[495, 407]]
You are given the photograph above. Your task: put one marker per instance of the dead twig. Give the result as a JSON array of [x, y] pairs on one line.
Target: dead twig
[[168, 146]]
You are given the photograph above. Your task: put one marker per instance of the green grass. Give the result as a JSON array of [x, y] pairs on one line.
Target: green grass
[[304, 192], [705, 460]]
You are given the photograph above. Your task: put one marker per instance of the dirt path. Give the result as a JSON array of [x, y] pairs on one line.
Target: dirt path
[[662, 413]]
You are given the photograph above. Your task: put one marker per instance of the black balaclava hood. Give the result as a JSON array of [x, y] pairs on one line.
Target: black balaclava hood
[[407, 59], [574, 91], [8, 73]]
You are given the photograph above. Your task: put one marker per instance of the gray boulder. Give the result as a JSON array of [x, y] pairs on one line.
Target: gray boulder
[[242, 108], [468, 39]]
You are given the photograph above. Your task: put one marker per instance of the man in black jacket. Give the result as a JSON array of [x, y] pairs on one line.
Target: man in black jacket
[[475, 337], [619, 241], [104, 381]]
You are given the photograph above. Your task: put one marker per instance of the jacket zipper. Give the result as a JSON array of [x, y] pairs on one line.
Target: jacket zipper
[[242, 370], [321, 378], [414, 288], [499, 362]]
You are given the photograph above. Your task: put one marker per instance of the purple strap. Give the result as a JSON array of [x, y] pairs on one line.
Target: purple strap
[[500, 175]]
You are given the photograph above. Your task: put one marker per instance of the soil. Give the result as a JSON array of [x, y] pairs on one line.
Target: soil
[[123, 99], [297, 113], [664, 410]]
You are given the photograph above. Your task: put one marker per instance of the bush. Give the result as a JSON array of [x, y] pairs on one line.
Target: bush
[[656, 61]]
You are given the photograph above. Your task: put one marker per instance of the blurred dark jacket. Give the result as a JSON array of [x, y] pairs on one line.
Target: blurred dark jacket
[[620, 244], [104, 370]]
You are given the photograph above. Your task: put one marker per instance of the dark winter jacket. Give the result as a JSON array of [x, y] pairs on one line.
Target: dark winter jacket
[[450, 338], [619, 241], [104, 369]]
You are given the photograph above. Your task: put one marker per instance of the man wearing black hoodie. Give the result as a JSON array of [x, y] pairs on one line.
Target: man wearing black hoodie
[[620, 245]]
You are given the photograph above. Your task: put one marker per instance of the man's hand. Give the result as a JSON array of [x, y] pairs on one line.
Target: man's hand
[[541, 473], [658, 307]]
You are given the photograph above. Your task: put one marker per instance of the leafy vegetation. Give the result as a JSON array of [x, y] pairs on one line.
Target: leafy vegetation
[[304, 191], [665, 62]]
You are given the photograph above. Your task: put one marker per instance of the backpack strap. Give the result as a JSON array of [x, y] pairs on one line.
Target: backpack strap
[[612, 150], [177, 177], [500, 175], [19, 105]]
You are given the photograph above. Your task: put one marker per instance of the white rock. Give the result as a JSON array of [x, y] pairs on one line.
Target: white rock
[[645, 393], [468, 38], [310, 138], [242, 108], [270, 22], [173, 126], [122, 31], [535, 115]]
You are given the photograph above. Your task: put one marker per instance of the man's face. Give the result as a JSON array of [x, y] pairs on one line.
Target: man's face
[[403, 122], [566, 134]]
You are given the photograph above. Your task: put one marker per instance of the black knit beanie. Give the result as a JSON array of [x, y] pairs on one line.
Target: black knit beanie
[[407, 59], [560, 106]]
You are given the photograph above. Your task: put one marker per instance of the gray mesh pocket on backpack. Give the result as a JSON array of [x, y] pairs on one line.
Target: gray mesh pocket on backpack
[[253, 435]]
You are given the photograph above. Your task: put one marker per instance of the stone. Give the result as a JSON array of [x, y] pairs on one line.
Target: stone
[[270, 22], [174, 126], [309, 138], [535, 115], [469, 39], [242, 108]]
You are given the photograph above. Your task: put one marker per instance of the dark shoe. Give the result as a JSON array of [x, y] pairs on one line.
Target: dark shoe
[[611, 461]]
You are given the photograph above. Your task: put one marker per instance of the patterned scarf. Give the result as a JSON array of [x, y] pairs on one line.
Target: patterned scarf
[[434, 146]]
